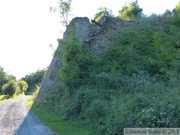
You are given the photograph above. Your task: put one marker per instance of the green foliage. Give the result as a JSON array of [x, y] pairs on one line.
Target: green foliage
[[142, 110], [148, 47], [23, 86], [136, 84], [34, 79], [71, 52], [102, 11], [5, 78], [3, 98], [61, 126], [96, 113], [132, 11], [161, 113], [168, 13], [11, 88], [175, 20], [141, 65], [64, 10], [73, 58], [177, 9]]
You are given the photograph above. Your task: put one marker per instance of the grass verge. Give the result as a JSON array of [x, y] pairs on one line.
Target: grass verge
[[57, 124], [4, 98]]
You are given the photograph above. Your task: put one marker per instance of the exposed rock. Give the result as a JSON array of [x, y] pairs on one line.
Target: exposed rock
[[98, 38]]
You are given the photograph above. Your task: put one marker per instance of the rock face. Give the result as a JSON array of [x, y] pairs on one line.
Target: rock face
[[97, 37]]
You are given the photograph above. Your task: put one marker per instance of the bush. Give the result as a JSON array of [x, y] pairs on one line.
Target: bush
[[11, 88], [23, 87], [142, 110], [75, 57], [97, 112], [82, 98], [5, 78]]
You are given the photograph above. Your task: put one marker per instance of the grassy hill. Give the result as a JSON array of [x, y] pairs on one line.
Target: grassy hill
[[136, 84]]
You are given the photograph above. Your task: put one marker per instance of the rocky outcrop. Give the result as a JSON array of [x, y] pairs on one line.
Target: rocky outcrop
[[97, 37]]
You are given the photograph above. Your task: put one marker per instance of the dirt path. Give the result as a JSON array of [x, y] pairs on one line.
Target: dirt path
[[16, 119]]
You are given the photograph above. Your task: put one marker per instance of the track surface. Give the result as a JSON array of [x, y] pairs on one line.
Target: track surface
[[17, 119]]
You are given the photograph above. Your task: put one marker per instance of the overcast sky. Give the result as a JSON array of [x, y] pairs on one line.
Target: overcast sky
[[27, 28]]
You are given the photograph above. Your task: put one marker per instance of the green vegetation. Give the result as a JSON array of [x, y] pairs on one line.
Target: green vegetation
[[176, 14], [34, 80], [64, 8], [135, 85], [23, 86], [131, 12], [56, 123], [9, 87], [61, 126], [4, 78], [14, 88], [76, 58], [102, 11], [3, 98]]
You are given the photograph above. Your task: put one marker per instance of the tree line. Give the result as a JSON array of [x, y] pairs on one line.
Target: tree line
[[10, 86], [130, 11]]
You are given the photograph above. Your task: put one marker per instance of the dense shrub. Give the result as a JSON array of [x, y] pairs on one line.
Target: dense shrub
[[96, 113], [11, 88], [135, 85], [143, 110], [75, 57], [146, 46], [23, 87], [5, 78]]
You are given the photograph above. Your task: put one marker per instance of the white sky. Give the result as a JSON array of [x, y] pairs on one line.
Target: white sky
[[27, 28]]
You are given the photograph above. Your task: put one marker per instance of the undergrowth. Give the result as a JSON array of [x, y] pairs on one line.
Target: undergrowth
[[55, 122], [135, 85]]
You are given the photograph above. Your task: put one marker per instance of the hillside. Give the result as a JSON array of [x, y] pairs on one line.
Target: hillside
[[116, 74]]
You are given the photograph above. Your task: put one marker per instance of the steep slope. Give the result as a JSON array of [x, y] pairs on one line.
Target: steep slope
[[129, 77], [98, 38]]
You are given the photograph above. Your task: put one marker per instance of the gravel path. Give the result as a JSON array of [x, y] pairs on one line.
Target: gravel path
[[17, 119]]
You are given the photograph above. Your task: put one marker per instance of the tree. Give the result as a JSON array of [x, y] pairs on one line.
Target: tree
[[72, 49], [176, 10], [5, 78], [168, 13], [77, 62], [23, 86], [34, 79], [132, 11], [11, 88], [64, 8], [176, 17], [102, 11]]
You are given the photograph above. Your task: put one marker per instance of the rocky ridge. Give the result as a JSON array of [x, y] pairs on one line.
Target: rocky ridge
[[97, 37]]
